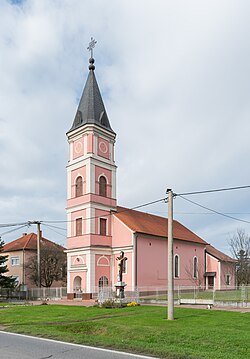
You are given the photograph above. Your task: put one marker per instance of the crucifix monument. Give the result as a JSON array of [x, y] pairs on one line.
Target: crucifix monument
[[120, 285]]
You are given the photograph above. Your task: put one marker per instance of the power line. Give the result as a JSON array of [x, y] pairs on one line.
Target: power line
[[50, 225], [110, 214], [214, 211], [212, 190], [13, 230], [4, 225], [50, 228]]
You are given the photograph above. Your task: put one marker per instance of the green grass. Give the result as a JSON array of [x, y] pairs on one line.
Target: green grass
[[194, 334]]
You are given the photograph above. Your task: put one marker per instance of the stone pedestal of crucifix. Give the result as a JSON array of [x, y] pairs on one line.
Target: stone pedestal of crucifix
[[120, 285]]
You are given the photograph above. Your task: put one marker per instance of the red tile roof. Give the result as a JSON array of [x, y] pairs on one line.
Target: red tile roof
[[219, 255], [27, 242], [154, 225]]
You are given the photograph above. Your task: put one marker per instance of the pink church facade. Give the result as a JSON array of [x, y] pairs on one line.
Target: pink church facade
[[98, 230]]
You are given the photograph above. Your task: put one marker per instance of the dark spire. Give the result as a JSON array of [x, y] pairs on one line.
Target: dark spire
[[91, 109]]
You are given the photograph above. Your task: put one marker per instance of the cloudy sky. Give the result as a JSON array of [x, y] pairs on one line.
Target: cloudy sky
[[175, 79]]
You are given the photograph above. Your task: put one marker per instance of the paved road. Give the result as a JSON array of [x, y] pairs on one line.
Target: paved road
[[16, 346]]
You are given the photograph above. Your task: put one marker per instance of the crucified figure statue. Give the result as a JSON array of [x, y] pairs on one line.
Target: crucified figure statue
[[121, 262]]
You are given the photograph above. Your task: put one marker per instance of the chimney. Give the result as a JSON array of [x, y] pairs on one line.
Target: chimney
[[24, 234]]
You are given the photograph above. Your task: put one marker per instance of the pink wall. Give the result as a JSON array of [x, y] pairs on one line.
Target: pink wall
[[103, 148], [227, 269], [78, 260], [90, 143], [102, 265], [78, 214], [108, 174], [78, 148], [152, 265], [82, 275], [221, 269], [87, 240], [91, 198], [121, 234], [74, 174], [106, 215]]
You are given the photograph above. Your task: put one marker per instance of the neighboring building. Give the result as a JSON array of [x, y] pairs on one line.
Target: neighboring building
[[19, 251], [98, 230], [220, 269]]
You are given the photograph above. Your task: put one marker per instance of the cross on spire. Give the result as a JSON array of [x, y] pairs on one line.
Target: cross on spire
[[91, 46]]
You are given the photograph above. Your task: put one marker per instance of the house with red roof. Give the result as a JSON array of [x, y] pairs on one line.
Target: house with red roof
[[99, 230], [220, 269], [20, 251]]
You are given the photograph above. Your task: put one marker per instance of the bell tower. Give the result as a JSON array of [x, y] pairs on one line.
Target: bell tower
[[91, 192]]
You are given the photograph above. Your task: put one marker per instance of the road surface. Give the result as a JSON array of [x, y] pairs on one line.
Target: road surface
[[17, 346]]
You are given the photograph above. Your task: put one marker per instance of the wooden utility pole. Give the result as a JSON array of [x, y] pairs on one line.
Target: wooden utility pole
[[170, 256], [38, 254]]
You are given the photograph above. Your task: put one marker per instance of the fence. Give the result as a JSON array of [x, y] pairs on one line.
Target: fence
[[33, 293], [228, 296]]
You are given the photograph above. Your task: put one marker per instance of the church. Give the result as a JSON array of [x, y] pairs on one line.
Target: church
[[98, 229]]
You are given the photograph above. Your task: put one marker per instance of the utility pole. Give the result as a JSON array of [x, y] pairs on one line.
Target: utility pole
[[38, 254], [170, 256]]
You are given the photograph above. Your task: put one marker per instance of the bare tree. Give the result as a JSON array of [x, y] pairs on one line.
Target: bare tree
[[53, 265], [196, 275], [240, 249]]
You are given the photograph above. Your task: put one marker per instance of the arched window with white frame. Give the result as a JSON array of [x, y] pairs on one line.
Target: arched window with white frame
[[176, 266], [195, 267], [102, 186], [79, 186]]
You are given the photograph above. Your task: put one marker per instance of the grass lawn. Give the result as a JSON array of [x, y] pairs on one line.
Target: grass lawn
[[194, 334]]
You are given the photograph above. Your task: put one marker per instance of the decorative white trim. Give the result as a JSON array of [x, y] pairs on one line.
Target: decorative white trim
[[95, 144], [103, 265], [78, 257], [113, 189], [102, 175], [92, 177], [88, 183], [68, 184], [85, 144], [69, 225], [78, 175]]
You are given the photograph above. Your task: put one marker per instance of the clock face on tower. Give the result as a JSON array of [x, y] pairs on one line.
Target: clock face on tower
[[103, 147], [78, 148]]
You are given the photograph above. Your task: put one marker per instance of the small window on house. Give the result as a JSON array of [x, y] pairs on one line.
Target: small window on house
[[78, 226], [227, 279], [176, 266], [195, 274], [103, 226], [15, 261], [79, 186], [103, 186]]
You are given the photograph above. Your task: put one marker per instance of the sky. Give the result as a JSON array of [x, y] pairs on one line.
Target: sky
[[175, 80]]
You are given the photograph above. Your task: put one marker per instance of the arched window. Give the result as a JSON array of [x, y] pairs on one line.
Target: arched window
[[176, 266], [103, 186], [103, 282], [79, 186], [195, 267]]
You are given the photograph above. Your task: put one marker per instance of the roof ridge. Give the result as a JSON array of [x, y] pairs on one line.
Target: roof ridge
[[28, 239]]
